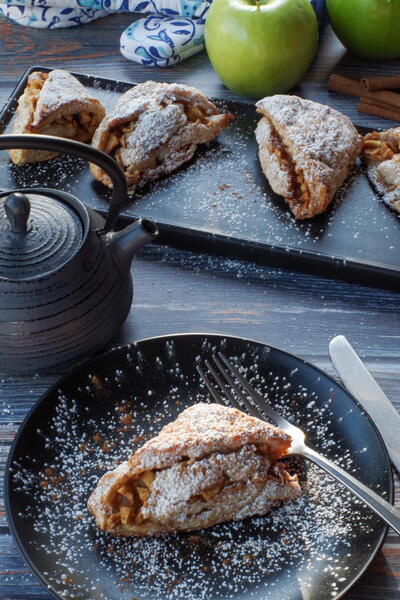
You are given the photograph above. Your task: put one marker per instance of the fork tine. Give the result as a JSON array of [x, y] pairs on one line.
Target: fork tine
[[209, 385], [222, 385], [255, 396], [243, 398]]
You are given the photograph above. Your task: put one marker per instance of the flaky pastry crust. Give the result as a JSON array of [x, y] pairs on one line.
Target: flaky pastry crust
[[55, 103], [155, 128], [306, 151], [211, 464]]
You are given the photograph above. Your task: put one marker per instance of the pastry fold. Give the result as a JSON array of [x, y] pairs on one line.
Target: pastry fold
[[306, 151], [55, 103], [155, 128], [381, 150], [211, 464]]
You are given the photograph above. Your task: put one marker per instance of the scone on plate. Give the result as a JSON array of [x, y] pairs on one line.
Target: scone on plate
[[55, 103], [155, 128], [306, 151], [381, 150], [212, 464]]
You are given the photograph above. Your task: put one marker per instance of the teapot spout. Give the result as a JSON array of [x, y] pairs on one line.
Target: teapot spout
[[125, 243]]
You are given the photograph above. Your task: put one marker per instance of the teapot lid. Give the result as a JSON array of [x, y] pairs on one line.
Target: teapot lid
[[40, 230]]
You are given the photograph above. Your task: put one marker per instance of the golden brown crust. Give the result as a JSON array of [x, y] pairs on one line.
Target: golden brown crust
[[155, 128], [211, 464], [306, 151], [55, 103]]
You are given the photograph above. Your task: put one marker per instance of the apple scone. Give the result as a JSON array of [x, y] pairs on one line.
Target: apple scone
[[306, 151], [381, 150], [154, 129], [55, 103], [212, 464]]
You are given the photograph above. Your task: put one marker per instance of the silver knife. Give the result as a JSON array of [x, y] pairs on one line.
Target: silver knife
[[359, 381]]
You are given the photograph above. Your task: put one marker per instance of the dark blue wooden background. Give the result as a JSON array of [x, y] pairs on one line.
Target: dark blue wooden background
[[180, 291]]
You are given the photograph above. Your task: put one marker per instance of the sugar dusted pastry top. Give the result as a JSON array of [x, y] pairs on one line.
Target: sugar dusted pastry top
[[206, 428], [210, 465], [317, 148], [55, 103], [156, 127], [151, 94], [58, 89], [315, 131]]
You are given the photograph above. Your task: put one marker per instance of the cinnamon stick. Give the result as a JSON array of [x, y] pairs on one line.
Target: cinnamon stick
[[373, 102], [345, 85], [366, 100], [381, 83], [391, 99], [378, 110]]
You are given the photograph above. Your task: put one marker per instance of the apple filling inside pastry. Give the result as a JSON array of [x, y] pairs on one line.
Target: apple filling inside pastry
[[55, 103], [79, 125], [381, 150], [123, 143], [375, 148], [298, 192], [155, 128], [221, 481], [129, 499]]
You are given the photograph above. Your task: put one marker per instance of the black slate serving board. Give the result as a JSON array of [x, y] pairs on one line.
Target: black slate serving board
[[221, 202]]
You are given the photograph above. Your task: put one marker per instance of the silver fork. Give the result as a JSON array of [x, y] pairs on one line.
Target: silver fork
[[238, 396]]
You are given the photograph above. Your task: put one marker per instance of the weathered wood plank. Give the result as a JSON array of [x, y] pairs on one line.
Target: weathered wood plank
[[181, 291]]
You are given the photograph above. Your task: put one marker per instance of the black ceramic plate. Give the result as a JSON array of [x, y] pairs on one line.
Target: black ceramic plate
[[313, 548], [221, 202]]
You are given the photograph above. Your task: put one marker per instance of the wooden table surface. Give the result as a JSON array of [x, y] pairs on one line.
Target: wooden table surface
[[178, 291]]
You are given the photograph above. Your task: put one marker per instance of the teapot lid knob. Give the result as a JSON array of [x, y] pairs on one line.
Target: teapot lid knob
[[17, 207]]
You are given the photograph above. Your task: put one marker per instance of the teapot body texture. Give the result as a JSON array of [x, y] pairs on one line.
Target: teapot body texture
[[65, 315]]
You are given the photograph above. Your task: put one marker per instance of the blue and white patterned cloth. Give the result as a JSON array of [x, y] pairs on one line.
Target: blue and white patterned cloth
[[171, 31], [167, 37]]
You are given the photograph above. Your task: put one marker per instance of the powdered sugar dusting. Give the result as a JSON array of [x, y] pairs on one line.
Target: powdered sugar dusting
[[223, 191], [320, 144], [153, 128], [152, 94], [60, 89], [313, 131], [163, 124], [306, 545], [174, 487]]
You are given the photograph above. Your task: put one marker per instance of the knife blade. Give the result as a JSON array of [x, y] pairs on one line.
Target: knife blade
[[359, 381]]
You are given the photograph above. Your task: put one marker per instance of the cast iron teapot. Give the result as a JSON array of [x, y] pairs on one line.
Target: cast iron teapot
[[65, 283]]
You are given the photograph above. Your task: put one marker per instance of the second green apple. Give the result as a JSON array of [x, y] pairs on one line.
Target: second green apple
[[261, 47]]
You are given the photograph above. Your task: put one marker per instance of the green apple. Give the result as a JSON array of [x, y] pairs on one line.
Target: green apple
[[369, 29], [261, 47]]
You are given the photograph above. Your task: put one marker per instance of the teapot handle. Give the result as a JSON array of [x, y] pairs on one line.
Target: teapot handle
[[56, 144]]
